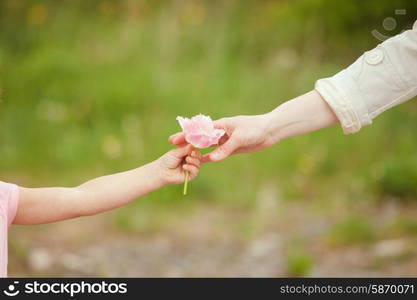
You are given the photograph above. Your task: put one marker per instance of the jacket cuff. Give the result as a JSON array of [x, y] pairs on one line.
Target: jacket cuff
[[344, 98]]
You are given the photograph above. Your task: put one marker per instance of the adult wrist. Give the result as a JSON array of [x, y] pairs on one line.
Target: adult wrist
[[273, 126]]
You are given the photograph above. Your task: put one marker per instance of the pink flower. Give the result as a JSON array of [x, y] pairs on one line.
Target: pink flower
[[199, 131]]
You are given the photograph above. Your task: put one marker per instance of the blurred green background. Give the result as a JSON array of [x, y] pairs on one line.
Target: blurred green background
[[93, 87]]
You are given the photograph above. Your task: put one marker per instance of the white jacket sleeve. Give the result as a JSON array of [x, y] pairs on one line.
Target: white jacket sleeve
[[380, 79]]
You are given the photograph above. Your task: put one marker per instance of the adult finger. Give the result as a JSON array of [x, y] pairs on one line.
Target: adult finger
[[220, 123], [224, 150], [206, 158]]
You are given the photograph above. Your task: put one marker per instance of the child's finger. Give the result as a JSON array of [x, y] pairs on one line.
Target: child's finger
[[177, 138], [196, 154], [192, 161], [181, 152], [182, 145], [192, 169]]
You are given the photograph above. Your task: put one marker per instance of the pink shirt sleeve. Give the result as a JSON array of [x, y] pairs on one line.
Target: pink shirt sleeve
[[9, 195]]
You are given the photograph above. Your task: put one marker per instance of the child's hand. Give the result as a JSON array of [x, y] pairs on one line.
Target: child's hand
[[175, 163]]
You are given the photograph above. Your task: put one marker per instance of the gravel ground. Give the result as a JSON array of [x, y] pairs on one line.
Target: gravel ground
[[205, 243]]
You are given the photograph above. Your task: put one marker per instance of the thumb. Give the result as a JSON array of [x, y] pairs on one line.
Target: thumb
[[177, 139], [225, 150], [180, 153], [173, 158]]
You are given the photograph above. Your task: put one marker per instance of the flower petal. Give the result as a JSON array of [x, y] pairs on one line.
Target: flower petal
[[219, 133], [183, 121], [204, 123], [198, 140], [199, 131]]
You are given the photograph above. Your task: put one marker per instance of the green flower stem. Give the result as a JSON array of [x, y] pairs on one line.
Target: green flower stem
[[187, 175]]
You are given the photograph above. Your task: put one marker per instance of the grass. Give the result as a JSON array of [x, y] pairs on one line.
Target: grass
[[299, 261], [352, 230], [404, 226]]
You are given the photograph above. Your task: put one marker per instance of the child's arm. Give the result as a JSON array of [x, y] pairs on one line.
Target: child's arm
[[45, 205]]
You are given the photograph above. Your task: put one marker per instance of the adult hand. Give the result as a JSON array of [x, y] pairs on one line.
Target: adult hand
[[306, 113], [243, 134]]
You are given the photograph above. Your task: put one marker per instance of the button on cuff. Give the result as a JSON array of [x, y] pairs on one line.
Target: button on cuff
[[374, 56]]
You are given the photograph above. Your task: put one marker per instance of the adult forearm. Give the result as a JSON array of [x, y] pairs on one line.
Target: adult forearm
[[304, 114]]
